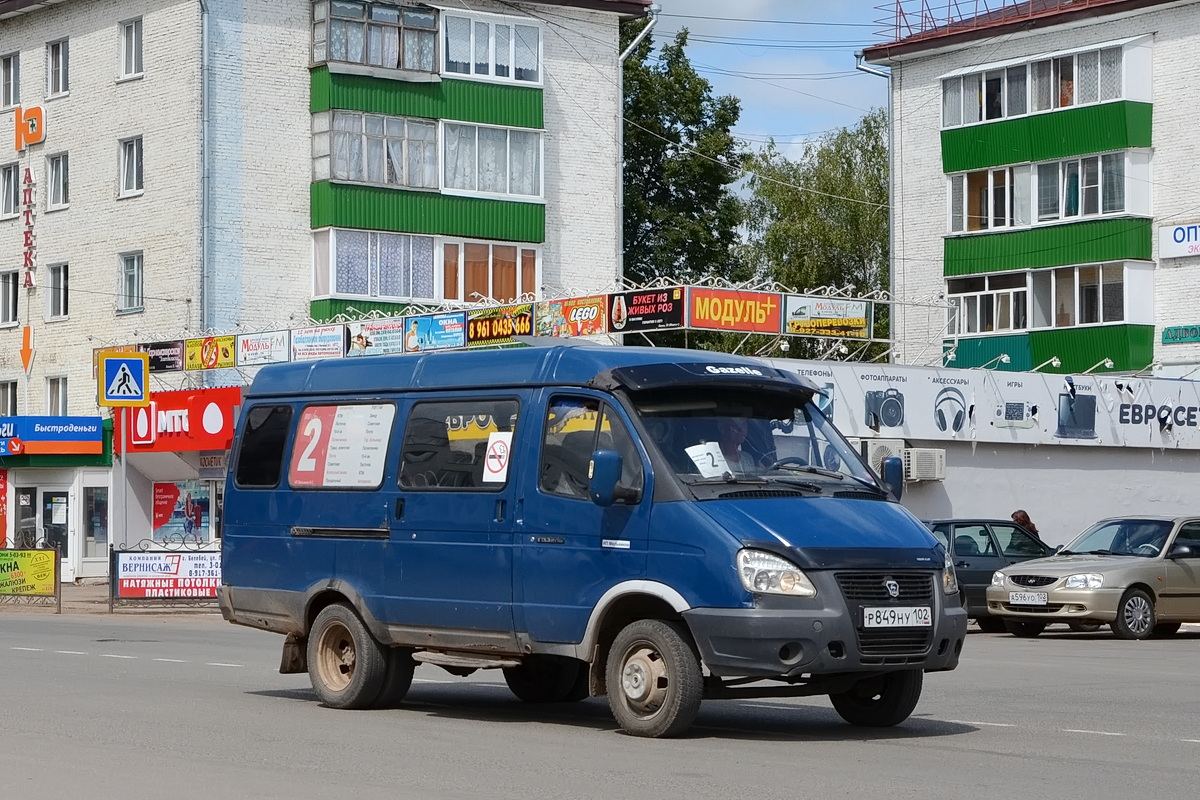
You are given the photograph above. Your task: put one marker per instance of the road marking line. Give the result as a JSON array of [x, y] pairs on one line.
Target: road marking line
[[28, 649], [71, 652], [172, 660], [1098, 733], [988, 724], [113, 655], [1193, 741], [219, 664]]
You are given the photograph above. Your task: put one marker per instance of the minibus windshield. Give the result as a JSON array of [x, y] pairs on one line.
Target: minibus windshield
[[734, 434]]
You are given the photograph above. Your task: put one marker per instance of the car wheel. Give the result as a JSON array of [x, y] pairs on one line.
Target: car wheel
[[1084, 627], [545, 679], [990, 624], [1135, 616], [1023, 629], [654, 679], [880, 702], [1166, 629], [398, 678], [346, 665]]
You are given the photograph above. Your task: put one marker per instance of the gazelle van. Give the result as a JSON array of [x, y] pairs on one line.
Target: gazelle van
[[657, 526]]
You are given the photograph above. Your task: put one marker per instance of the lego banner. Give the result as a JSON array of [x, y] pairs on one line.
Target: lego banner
[[576, 316]]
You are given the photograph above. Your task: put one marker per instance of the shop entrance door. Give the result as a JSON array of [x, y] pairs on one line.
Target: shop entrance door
[[44, 520]]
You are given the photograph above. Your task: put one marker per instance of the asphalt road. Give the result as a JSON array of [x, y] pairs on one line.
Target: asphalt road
[[192, 707]]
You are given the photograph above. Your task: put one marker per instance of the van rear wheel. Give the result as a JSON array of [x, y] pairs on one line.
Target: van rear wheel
[[882, 701], [546, 679], [654, 679], [346, 665], [398, 677]]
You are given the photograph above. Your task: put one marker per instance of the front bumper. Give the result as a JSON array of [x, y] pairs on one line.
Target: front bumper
[[1065, 605], [824, 636]]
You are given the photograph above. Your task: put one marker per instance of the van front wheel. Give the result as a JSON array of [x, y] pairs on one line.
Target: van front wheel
[[880, 702], [654, 679], [346, 665]]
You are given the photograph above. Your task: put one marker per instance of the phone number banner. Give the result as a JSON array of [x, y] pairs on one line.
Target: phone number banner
[[166, 575], [28, 573]]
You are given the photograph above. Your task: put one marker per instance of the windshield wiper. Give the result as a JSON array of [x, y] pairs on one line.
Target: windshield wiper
[[728, 477], [809, 468], [1099, 553], [812, 487]]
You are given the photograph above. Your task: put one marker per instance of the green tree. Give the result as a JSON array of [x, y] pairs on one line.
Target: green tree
[[682, 217], [822, 219]]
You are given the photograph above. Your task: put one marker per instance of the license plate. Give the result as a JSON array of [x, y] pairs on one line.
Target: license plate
[[898, 617], [1027, 598]]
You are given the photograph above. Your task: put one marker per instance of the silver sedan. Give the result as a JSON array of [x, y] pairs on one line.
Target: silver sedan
[[1141, 575]]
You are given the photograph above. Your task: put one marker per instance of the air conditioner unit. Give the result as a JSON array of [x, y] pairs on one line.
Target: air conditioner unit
[[874, 451], [924, 464], [855, 443]]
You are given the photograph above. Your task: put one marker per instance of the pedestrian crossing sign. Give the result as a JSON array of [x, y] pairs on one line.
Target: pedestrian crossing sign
[[124, 379]]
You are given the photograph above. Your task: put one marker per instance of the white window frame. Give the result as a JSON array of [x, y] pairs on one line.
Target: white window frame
[[10, 294], [462, 244], [131, 53], [444, 138], [56, 396], [326, 138], [58, 68], [965, 316], [130, 184], [132, 267], [322, 28], [10, 80], [58, 182], [10, 190], [493, 22], [8, 398], [58, 292]]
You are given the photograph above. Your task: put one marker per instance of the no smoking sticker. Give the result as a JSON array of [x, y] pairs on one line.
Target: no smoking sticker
[[499, 450]]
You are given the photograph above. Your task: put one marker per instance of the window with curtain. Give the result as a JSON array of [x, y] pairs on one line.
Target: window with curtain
[[378, 265], [493, 48], [372, 34], [371, 148], [492, 160], [483, 270]]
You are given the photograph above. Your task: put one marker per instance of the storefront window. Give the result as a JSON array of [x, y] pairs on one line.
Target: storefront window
[[95, 521]]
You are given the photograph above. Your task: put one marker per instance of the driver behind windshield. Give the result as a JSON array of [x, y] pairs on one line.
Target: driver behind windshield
[[731, 435]]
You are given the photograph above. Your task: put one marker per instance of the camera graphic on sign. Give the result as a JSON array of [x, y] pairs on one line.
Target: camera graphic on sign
[[885, 409]]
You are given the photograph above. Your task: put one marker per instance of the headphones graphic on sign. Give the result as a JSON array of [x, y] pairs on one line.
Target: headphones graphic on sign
[[950, 410]]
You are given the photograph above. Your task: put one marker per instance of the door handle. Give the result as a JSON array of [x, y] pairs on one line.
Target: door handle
[[399, 508], [500, 508], [963, 564]]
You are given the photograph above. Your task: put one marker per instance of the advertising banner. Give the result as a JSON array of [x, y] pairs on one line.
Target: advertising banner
[[51, 435], [341, 446], [658, 310], [165, 356], [375, 337], [96, 351], [272, 347], [435, 332], [489, 327], [827, 316], [211, 352], [29, 573], [181, 510], [3, 508], [576, 316], [727, 310], [323, 341], [182, 421], [165, 575]]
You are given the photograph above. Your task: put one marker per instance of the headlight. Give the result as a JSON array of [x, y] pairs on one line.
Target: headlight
[[764, 573], [1087, 580], [997, 579], [949, 577]]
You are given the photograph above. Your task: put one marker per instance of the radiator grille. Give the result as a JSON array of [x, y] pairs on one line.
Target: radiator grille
[[871, 587], [1032, 580]]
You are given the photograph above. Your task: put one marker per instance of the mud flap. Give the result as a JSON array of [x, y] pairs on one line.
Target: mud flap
[[295, 656]]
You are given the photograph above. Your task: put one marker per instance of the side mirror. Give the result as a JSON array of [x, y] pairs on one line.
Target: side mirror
[[604, 472], [893, 476], [1059, 548], [1181, 551]]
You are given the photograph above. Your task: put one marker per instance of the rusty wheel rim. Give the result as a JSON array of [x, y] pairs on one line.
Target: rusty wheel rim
[[645, 679], [337, 656]]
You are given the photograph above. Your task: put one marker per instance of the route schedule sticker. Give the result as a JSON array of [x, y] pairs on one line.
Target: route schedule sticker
[[341, 446], [498, 455]]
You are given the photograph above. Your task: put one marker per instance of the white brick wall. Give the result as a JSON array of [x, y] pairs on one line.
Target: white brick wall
[[920, 186]]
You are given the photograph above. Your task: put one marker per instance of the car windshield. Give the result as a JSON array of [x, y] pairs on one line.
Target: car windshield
[[1123, 537], [735, 434]]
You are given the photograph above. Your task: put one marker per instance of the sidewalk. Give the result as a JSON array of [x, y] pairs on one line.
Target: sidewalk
[[92, 598]]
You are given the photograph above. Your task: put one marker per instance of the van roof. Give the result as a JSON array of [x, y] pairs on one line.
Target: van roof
[[568, 364]]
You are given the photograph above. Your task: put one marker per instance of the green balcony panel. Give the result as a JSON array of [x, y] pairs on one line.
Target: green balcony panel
[[1131, 347], [467, 101], [1120, 239], [979, 350], [326, 309], [1048, 136], [379, 208]]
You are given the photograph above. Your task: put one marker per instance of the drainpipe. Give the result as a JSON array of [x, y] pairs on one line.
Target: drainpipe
[[205, 188], [861, 67], [652, 12]]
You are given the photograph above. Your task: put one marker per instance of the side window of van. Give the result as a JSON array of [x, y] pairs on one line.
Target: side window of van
[[342, 446], [447, 445], [260, 459], [575, 427]]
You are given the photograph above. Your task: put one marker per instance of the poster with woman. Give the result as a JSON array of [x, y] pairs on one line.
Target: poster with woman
[[181, 511]]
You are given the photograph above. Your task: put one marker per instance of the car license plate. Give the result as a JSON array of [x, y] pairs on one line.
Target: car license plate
[[1027, 598], [898, 617]]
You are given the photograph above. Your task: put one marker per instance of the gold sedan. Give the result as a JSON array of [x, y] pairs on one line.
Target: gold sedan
[[1141, 575]]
